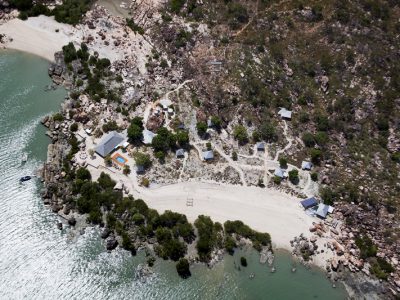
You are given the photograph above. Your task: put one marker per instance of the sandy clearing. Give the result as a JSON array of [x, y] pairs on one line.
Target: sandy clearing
[[264, 210], [38, 35]]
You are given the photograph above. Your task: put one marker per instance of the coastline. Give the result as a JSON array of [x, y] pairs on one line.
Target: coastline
[[37, 36], [265, 210], [279, 213]]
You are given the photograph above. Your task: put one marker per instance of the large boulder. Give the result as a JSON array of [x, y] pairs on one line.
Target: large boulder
[[111, 243]]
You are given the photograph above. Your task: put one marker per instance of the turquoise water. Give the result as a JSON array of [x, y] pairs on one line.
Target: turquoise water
[[121, 159], [37, 261]]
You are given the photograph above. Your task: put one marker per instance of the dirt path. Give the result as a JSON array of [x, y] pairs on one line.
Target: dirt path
[[289, 139]]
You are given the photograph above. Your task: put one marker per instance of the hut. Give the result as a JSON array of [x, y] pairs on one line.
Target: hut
[[306, 165], [308, 203], [208, 155]]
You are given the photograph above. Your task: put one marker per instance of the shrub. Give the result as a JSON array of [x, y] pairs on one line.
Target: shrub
[[145, 182], [314, 176], [366, 246], [69, 52], [308, 139], [328, 196], [243, 261], [395, 157], [230, 245], [234, 156], [201, 128], [74, 127], [268, 132], [321, 138], [182, 267], [110, 126], [277, 180], [126, 170], [316, 156], [294, 176], [58, 117], [283, 162]]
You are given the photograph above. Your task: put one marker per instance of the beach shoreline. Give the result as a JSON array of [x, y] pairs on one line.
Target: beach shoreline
[[265, 210]]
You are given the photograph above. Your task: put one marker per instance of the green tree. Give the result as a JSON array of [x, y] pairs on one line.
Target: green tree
[[142, 159], [201, 129], [182, 138], [322, 138], [283, 162], [314, 176], [135, 133], [216, 121], [268, 132], [182, 267], [316, 156], [308, 139], [164, 140], [240, 134], [294, 176], [83, 174]]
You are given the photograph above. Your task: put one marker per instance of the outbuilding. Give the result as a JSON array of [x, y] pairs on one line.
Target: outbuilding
[[308, 203], [280, 173], [285, 114], [261, 146], [208, 155], [180, 153], [306, 165], [323, 210]]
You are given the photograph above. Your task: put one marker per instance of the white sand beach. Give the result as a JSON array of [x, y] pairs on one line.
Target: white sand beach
[[42, 35]]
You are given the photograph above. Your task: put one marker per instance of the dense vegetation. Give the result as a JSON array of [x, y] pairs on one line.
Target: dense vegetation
[[70, 11]]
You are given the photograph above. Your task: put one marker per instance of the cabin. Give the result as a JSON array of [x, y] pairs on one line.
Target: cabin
[[285, 114], [323, 210], [308, 203], [180, 153], [260, 147], [306, 165], [109, 143], [280, 173], [139, 169], [208, 155]]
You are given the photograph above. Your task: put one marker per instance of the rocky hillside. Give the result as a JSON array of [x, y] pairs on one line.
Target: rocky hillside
[[334, 64]]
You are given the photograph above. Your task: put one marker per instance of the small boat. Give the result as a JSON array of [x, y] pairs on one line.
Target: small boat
[[25, 178], [24, 158]]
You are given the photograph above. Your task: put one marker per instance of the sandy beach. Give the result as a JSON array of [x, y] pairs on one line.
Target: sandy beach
[[41, 36]]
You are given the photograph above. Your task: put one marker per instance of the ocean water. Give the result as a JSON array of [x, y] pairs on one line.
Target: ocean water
[[38, 261]]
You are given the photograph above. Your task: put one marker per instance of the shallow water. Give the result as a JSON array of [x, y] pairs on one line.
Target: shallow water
[[37, 261]]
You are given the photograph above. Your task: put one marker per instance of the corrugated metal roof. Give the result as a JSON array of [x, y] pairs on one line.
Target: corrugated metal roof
[[322, 210], [284, 113], [148, 136], [109, 143], [207, 155], [310, 202], [306, 165]]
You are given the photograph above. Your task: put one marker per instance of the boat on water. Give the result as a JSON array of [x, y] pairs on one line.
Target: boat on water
[[24, 158], [25, 178]]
